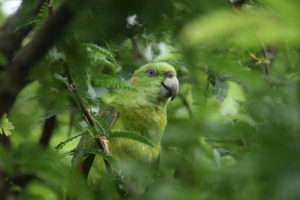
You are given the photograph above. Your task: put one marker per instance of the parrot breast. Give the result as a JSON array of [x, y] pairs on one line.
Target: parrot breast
[[149, 120]]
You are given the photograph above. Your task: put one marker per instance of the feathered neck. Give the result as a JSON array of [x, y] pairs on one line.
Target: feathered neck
[[139, 112]]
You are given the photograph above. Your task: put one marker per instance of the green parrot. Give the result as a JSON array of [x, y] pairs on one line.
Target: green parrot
[[143, 111]]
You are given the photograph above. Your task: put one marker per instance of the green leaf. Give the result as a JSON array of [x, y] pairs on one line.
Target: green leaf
[[6, 126], [224, 23], [62, 144], [102, 124], [105, 155], [61, 78], [112, 83], [97, 49], [33, 20], [101, 57], [130, 135], [182, 154], [39, 19], [3, 59], [220, 90]]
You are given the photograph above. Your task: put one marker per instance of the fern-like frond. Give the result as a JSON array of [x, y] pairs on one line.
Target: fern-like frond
[[39, 19], [112, 83], [62, 144], [130, 135], [102, 124], [105, 155], [101, 58], [100, 50]]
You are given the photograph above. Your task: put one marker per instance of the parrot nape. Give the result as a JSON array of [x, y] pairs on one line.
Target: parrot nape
[[143, 112]]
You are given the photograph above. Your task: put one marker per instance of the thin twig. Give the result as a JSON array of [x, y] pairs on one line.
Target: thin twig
[[14, 78], [101, 141], [71, 122], [263, 47], [267, 60], [137, 50], [10, 38], [185, 103]]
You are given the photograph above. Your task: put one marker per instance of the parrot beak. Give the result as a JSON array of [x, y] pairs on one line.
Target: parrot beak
[[170, 86]]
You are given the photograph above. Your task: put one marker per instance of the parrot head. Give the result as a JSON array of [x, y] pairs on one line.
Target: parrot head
[[157, 79]]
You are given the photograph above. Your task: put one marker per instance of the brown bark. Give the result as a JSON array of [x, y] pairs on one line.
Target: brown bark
[[48, 129], [10, 38]]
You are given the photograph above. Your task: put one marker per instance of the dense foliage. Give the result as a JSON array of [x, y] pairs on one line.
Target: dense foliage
[[233, 130]]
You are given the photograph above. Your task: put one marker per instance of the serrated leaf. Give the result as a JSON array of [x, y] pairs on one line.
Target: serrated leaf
[[62, 144], [102, 59], [92, 131], [39, 19], [112, 83], [130, 135], [102, 124], [61, 78], [6, 126], [97, 49], [105, 155], [32, 20]]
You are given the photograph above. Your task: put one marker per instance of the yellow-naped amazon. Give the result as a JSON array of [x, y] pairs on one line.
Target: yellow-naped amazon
[[143, 112]]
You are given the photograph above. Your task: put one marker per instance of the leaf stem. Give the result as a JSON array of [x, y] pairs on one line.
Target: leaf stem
[[102, 142]]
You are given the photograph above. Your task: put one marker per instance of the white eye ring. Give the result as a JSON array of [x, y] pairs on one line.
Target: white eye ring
[[151, 72]]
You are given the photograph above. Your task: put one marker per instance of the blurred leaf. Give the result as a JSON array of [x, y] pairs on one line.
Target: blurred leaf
[[105, 155], [6, 126], [3, 60], [130, 135], [103, 125], [246, 29], [112, 83], [6, 163], [62, 144], [39, 19]]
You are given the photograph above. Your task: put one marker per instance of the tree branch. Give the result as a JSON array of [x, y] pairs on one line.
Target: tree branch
[[137, 50], [102, 142], [266, 59], [48, 131], [14, 78], [103, 145], [4, 188], [10, 39], [71, 122]]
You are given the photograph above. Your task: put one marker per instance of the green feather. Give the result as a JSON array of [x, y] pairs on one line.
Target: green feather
[[141, 112]]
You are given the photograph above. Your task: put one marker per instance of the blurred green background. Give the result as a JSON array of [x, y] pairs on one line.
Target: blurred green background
[[233, 130]]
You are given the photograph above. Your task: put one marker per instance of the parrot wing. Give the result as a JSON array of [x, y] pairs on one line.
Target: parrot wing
[[83, 161]]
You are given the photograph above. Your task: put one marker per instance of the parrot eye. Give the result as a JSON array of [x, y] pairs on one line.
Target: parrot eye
[[151, 72], [169, 75]]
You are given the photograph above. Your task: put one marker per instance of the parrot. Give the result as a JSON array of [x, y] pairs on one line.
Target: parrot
[[143, 112]]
